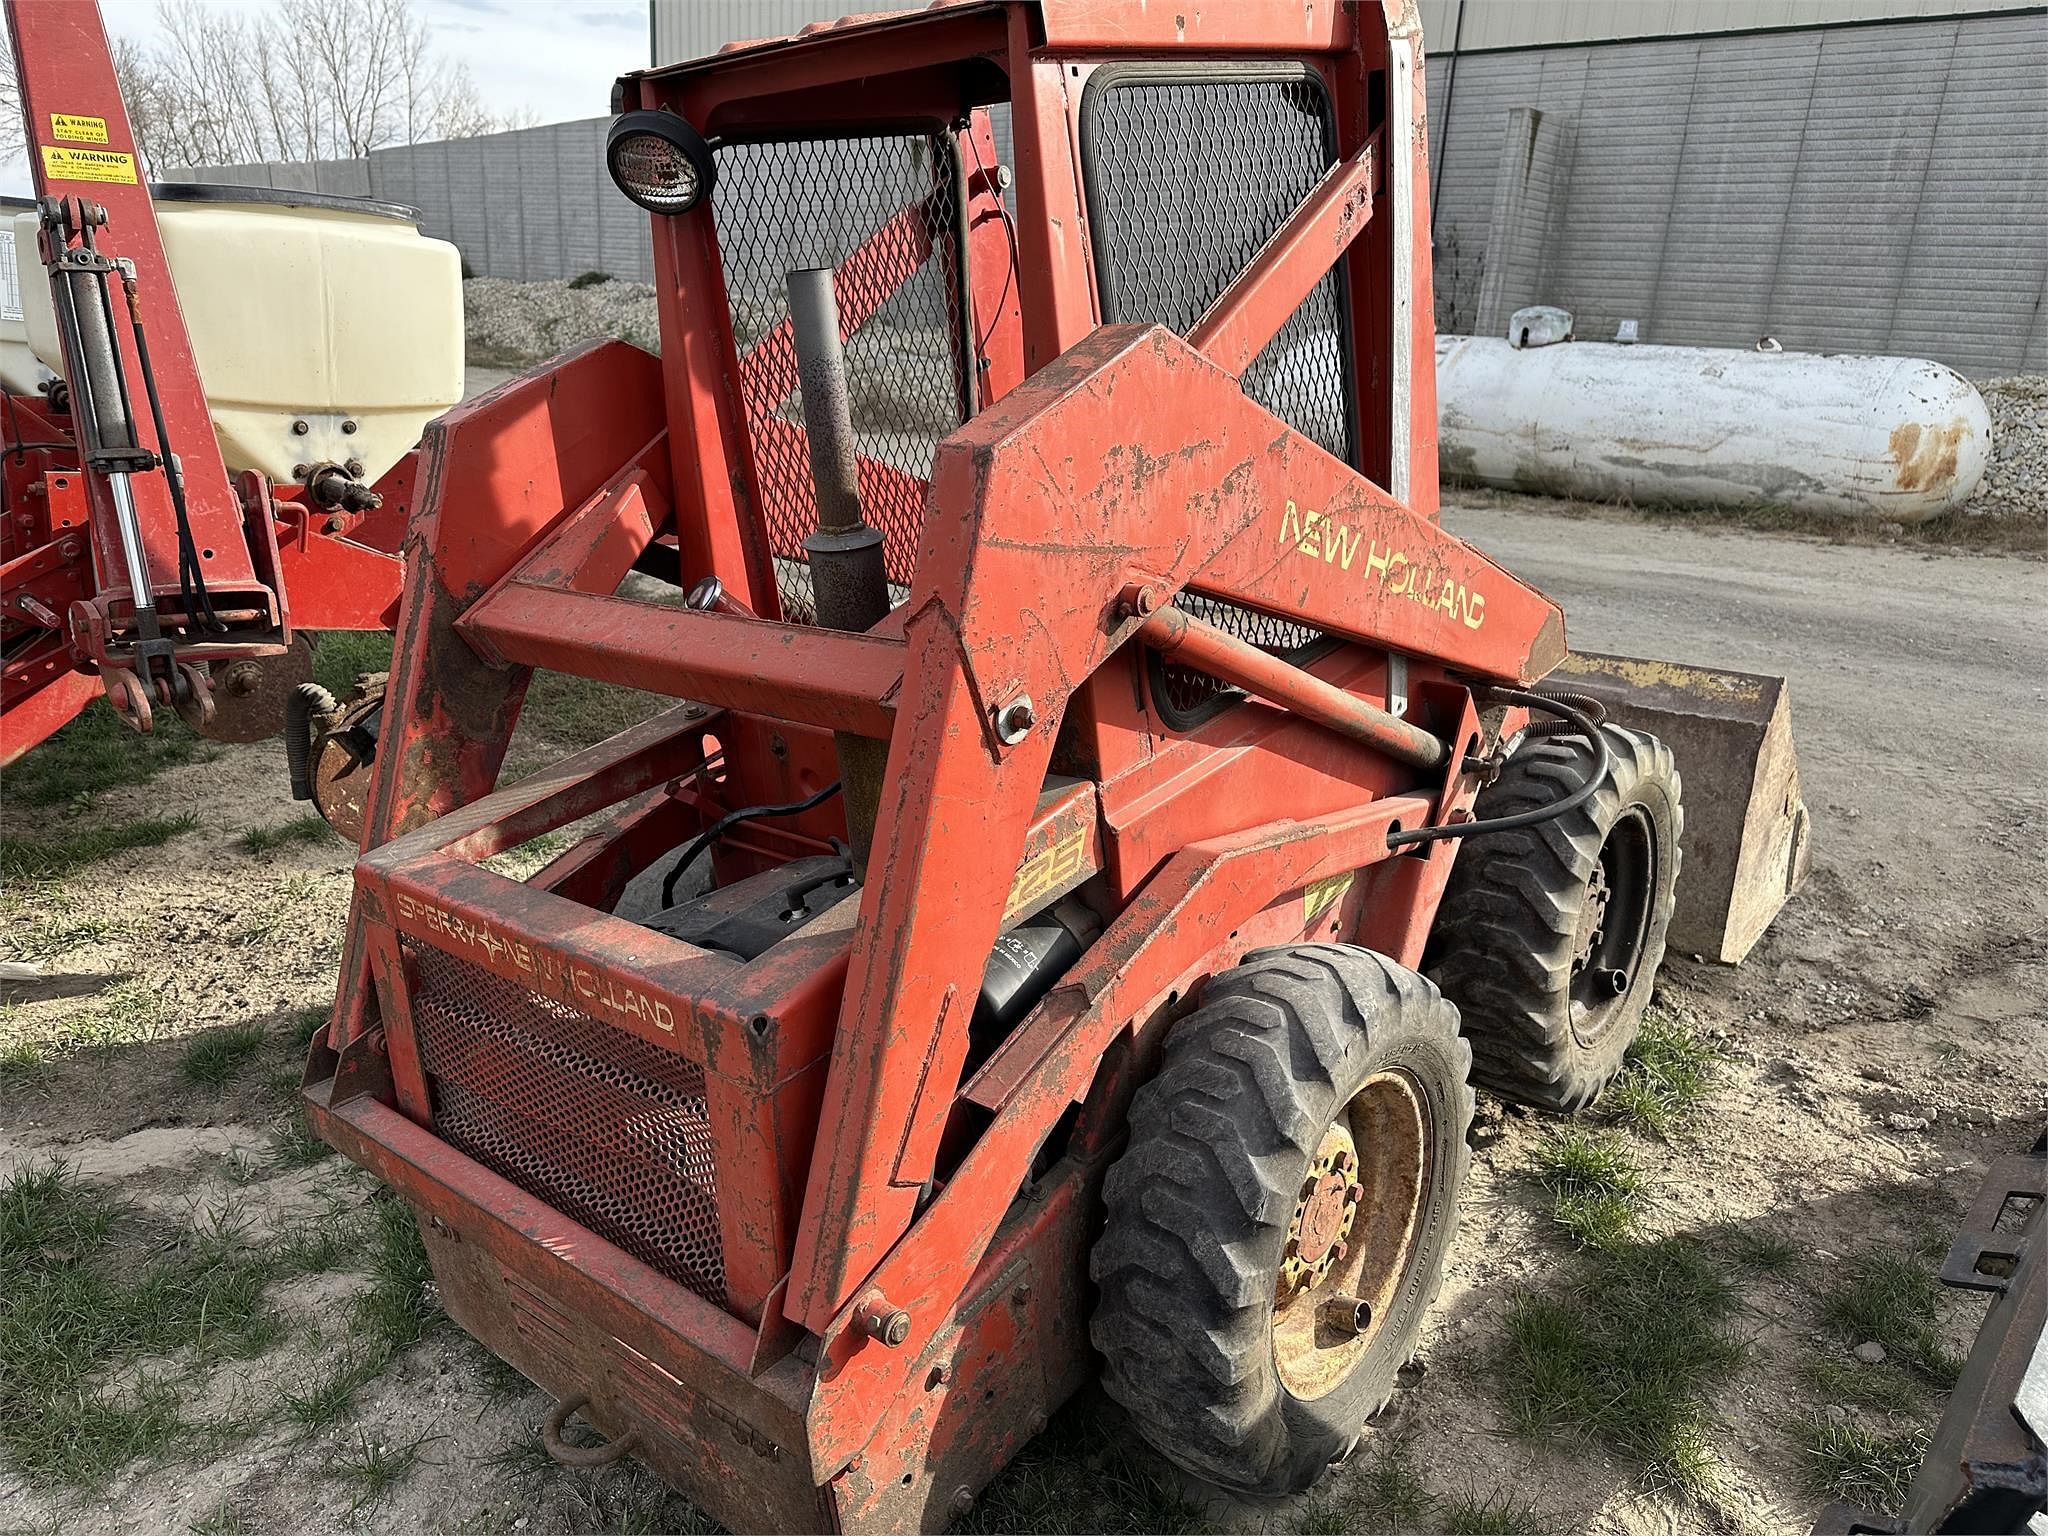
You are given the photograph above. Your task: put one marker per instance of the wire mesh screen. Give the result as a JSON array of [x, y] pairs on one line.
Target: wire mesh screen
[[884, 212], [609, 1130], [1187, 179]]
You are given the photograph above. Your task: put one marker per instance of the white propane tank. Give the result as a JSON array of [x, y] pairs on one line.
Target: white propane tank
[[332, 311], [1893, 438]]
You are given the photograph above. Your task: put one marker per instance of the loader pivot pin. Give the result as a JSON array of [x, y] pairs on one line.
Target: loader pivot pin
[[881, 1322]]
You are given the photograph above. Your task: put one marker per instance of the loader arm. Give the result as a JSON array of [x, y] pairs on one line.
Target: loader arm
[[1079, 484]]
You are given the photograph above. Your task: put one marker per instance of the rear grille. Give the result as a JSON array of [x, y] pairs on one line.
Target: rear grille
[[608, 1129], [884, 212], [1188, 176]]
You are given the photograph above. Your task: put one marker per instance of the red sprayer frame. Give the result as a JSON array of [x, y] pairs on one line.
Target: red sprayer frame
[[852, 1180], [67, 619]]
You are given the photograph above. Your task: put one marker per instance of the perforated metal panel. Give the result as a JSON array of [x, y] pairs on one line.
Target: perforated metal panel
[[884, 212], [608, 1129], [1188, 176]]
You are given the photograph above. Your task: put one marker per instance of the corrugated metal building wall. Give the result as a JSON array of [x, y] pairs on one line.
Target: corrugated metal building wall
[[1879, 187]]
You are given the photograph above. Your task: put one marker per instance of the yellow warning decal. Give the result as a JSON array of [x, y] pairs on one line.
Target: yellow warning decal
[[74, 129], [1320, 894], [61, 164]]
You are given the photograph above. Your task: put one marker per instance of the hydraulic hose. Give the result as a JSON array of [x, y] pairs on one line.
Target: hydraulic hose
[[726, 823], [1571, 720], [301, 705]]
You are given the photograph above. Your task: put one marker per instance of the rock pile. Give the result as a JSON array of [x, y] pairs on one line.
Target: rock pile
[[2015, 483], [512, 324]]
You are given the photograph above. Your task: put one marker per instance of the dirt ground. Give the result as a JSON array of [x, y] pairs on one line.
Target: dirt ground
[[1882, 1044]]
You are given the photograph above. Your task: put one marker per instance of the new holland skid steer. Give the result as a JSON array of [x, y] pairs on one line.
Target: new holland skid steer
[[1111, 824]]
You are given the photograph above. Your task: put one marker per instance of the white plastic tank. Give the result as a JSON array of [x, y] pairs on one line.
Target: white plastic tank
[[21, 372], [332, 311], [1893, 438]]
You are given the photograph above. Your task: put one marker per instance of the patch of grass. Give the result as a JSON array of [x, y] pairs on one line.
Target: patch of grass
[[96, 753], [224, 1519], [1083, 1473], [1858, 1464], [292, 1142], [124, 1015], [1858, 1384], [24, 858], [1762, 1252], [308, 829], [1669, 1071], [1500, 1513], [22, 1063], [1391, 1495], [1629, 1353], [373, 1467], [83, 1436], [305, 1024], [578, 711], [341, 656], [1896, 1300], [65, 1318], [1595, 1184], [213, 1059], [328, 1399], [55, 937], [47, 1215], [398, 1309]]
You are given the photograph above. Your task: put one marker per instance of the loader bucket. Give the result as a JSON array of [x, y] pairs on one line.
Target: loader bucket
[[1745, 840]]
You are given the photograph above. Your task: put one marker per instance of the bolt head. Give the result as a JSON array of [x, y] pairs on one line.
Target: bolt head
[[349, 427], [1015, 720], [301, 427], [962, 1502]]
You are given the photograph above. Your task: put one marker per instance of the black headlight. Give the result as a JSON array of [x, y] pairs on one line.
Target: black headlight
[[659, 161]]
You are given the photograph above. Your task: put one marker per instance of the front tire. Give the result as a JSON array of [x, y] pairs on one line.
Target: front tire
[[1277, 1228], [1548, 939]]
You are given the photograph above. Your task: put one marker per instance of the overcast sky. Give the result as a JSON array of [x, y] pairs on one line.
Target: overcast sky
[[558, 59]]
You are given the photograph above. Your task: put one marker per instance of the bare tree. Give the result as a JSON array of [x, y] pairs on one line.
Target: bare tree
[[13, 130], [309, 80]]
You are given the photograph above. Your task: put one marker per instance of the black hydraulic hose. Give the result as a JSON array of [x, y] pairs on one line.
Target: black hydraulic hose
[[726, 823], [300, 706], [199, 610], [1571, 720]]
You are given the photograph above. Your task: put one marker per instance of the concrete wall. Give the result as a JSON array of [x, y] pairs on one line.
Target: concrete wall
[[529, 204], [1875, 188]]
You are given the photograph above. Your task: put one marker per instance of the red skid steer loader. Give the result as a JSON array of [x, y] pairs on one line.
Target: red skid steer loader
[[1041, 944]]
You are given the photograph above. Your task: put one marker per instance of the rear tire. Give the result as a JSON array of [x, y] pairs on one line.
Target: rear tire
[[1535, 924], [1233, 1224]]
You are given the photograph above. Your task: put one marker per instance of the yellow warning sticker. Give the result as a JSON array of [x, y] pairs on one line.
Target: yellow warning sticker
[[60, 164], [78, 130], [1320, 895]]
